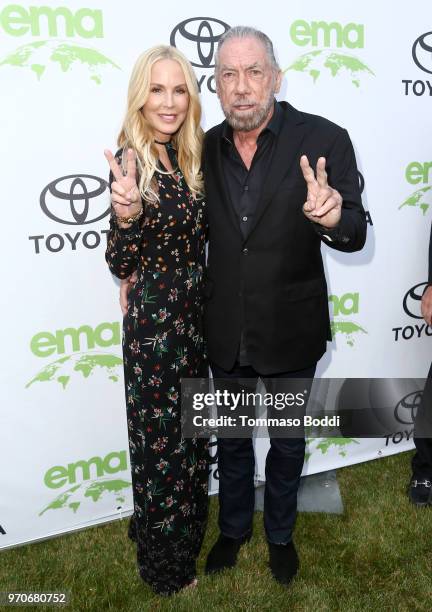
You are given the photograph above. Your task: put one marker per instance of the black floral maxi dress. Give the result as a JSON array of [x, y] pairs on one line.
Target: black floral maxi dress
[[163, 342]]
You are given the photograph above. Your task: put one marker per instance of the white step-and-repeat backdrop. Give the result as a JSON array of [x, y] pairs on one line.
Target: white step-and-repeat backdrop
[[64, 70]]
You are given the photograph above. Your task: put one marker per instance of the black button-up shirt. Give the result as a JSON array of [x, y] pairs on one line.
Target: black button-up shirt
[[244, 186]]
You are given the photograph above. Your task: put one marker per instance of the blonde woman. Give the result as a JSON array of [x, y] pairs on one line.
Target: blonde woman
[[158, 233]]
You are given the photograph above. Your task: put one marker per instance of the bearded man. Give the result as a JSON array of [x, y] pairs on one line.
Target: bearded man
[[278, 182]]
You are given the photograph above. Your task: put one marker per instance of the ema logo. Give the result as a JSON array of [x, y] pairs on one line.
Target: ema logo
[[418, 173], [411, 304], [79, 365], [76, 199], [334, 62], [197, 38], [90, 490], [346, 305], [422, 58], [44, 55]]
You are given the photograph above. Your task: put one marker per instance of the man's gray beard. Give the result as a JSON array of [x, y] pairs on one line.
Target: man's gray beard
[[252, 122]]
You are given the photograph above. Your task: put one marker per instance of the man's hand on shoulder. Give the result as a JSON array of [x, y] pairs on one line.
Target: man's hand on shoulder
[[426, 305], [323, 204], [125, 286]]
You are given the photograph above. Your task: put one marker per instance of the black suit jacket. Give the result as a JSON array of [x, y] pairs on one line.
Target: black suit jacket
[[271, 283]]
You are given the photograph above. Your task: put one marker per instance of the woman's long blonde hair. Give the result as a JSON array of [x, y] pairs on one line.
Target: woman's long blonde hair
[[136, 132]]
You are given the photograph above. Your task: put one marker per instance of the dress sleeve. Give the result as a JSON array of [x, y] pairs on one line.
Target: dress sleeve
[[123, 244]]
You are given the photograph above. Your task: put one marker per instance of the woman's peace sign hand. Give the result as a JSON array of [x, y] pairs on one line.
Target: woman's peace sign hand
[[125, 195]]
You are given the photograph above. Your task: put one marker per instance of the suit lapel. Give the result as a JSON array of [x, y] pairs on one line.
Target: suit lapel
[[285, 154]]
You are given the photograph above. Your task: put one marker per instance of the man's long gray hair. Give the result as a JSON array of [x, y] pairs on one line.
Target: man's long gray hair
[[247, 32]]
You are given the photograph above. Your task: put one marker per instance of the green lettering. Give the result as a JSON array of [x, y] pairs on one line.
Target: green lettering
[[321, 33], [85, 469], [56, 477], [113, 339], [74, 334], [335, 301], [52, 17], [16, 20], [426, 169], [300, 33], [43, 344], [121, 465], [13, 16], [88, 23], [326, 29], [356, 41], [414, 173], [349, 304]]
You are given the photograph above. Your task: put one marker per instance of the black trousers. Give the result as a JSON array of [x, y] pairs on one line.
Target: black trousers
[[422, 460], [236, 466]]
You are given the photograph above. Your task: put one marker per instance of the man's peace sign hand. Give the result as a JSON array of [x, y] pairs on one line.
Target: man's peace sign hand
[[125, 195], [323, 204]]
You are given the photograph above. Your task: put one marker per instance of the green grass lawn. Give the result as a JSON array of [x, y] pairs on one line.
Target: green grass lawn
[[376, 556]]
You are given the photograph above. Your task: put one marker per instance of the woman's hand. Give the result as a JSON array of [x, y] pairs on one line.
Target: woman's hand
[[125, 195], [125, 286]]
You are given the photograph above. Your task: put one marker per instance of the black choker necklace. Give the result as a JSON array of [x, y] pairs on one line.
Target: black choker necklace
[[163, 143]]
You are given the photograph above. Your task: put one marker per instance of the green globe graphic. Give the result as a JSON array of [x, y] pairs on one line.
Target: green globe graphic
[[417, 199], [42, 56], [347, 329], [324, 445], [66, 368], [339, 443], [315, 63], [89, 493]]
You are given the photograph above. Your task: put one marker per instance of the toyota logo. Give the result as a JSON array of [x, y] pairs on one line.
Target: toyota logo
[[67, 199], [412, 301], [422, 52], [197, 38], [406, 409]]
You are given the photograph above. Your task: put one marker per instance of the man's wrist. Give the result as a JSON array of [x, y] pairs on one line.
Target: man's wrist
[[331, 234]]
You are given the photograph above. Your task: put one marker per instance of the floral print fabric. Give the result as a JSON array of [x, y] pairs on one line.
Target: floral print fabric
[[163, 342]]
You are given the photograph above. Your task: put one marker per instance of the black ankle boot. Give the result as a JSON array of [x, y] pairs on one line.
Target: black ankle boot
[[284, 561], [224, 553]]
